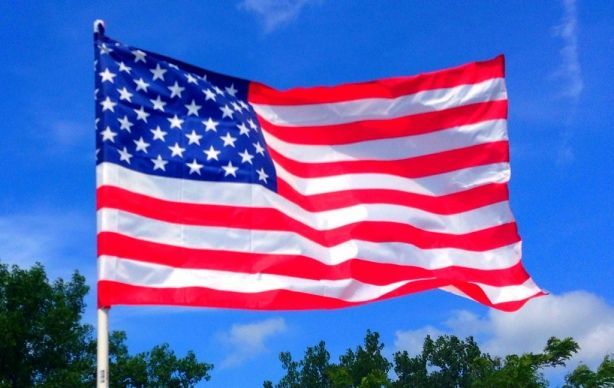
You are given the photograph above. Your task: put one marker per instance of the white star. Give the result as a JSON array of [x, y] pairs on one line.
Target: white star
[[159, 163], [246, 157], [141, 84], [262, 176], [124, 155], [218, 90], [124, 94], [193, 137], [243, 130], [125, 123], [193, 108], [191, 79], [209, 95], [176, 90], [158, 103], [231, 90], [173, 66], [210, 125], [141, 114], [123, 67], [158, 133], [107, 134], [228, 140], [212, 153], [141, 145], [107, 104], [251, 124], [104, 49], [259, 149], [175, 122], [138, 55], [229, 169], [158, 72], [243, 104], [106, 75], [176, 150], [226, 111], [194, 167], [236, 106]]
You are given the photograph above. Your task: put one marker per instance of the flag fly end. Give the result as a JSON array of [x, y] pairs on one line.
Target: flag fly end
[[99, 26]]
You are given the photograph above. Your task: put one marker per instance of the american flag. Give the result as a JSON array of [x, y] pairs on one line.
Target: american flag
[[217, 191]]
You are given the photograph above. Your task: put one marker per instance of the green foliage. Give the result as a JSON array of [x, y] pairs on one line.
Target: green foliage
[[363, 367], [158, 367], [524, 370], [583, 377], [43, 342], [447, 361], [41, 339]]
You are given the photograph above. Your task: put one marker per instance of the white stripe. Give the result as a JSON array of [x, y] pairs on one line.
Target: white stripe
[[394, 148], [160, 276], [437, 185], [288, 243], [256, 196], [382, 108], [502, 294]]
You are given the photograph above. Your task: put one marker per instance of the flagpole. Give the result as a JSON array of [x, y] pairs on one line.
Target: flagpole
[[102, 348], [102, 355]]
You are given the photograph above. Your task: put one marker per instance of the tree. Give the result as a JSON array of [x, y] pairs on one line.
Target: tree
[[583, 377], [366, 366], [41, 338], [524, 370], [447, 361], [43, 342]]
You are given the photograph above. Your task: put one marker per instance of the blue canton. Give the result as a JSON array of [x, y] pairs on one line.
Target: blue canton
[[159, 116]]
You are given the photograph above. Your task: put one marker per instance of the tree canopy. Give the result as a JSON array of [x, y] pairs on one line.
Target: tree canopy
[[43, 341], [446, 361]]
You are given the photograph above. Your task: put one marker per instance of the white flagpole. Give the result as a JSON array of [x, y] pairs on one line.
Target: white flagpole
[[102, 361], [102, 351]]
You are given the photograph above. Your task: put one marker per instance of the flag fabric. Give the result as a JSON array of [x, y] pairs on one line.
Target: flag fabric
[[217, 191]]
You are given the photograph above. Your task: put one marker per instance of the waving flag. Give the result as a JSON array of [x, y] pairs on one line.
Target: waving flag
[[217, 191]]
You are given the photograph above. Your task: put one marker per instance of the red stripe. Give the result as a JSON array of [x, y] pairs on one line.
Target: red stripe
[[388, 128], [274, 220], [416, 167], [114, 244], [114, 293], [384, 88], [446, 204]]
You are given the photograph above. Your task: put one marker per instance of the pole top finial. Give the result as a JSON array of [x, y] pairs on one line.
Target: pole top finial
[[99, 26]]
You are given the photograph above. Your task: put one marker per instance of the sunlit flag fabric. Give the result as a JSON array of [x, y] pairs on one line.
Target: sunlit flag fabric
[[217, 191]]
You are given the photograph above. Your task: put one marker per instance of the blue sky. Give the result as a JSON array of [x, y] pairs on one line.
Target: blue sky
[[560, 68]]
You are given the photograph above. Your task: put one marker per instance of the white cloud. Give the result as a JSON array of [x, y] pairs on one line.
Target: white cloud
[[579, 314], [412, 340], [274, 13], [570, 69], [247, 341]]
